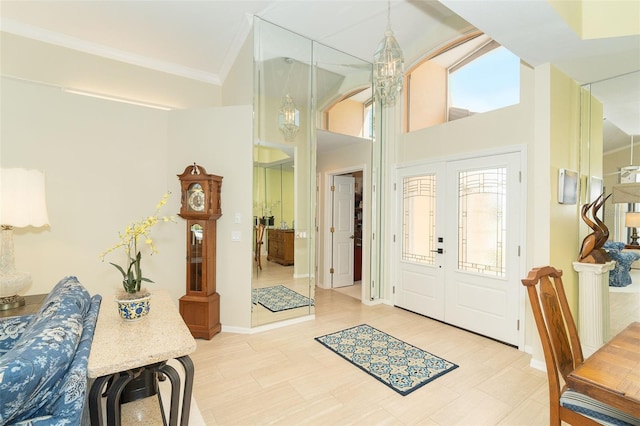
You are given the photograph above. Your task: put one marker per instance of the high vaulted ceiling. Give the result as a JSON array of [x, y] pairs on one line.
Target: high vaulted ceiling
[[200, 39]]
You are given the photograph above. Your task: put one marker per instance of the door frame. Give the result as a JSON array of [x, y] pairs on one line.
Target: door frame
[[366, 224], [521, 150]]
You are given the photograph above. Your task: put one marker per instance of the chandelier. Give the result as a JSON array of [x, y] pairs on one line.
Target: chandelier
[[388, 66], [288, 115], [288, 119]]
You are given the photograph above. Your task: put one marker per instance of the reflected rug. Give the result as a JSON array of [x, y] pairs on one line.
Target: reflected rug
[[279, 298], [397, 364]]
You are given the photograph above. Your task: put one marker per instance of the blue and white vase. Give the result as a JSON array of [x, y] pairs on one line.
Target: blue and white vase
[[134, 309]]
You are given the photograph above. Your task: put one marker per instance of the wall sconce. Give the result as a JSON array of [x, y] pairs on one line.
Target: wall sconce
[[632, 220], [22, 203]]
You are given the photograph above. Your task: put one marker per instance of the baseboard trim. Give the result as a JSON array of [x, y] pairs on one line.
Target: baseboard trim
[[267, 327]]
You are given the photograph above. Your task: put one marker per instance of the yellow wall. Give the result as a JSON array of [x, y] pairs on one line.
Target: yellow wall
[[592, 19], [564, 143]]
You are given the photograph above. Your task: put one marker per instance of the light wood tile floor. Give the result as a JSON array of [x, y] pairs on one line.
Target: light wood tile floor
[[285, 377]]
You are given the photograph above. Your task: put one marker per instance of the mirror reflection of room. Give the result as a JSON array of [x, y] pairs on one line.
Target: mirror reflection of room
[[291, 134], [621, 176], [282, 286]]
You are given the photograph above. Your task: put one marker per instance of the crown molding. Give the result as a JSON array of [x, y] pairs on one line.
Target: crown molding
[[74, 43]]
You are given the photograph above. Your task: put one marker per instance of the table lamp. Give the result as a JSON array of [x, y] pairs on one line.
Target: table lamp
[[632, 220], [22, 203]]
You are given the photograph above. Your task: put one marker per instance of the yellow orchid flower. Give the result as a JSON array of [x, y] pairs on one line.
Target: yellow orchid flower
[[132, 276]]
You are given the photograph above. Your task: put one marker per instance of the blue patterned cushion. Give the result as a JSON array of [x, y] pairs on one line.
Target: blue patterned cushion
[[596, 410], [619, 276], [32, 371], [70, 392], [11, 329], [613, 245]]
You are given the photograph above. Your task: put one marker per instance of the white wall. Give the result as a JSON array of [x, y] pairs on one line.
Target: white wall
[[71, 69], [339, 160], [220, 139], [505, 127], [107, 164]]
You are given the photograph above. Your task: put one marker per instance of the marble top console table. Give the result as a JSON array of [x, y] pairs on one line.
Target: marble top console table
[[122, 350]]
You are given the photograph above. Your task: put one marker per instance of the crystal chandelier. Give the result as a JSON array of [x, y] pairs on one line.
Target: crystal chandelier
[[288, 115], [288, 119], [388, 66]]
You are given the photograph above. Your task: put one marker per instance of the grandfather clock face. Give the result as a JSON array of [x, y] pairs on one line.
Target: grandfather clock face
[[196, 198]]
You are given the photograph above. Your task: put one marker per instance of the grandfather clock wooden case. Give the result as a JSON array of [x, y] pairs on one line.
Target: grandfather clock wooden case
[[200, 206]]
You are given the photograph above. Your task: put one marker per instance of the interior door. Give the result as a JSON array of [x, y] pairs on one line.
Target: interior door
[[458, 257], [343, 233]]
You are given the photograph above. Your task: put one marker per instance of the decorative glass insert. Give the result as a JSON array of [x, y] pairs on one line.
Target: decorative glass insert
[[194, 257], [419, 219], [482, 221]]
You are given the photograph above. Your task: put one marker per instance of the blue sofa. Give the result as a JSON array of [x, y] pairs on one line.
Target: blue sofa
[[620, 276], [43, 358]]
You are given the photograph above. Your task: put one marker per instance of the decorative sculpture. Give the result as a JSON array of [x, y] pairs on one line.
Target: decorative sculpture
[[591, 250]]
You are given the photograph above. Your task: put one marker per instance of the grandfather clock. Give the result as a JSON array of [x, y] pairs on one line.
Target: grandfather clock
[[200, 206]]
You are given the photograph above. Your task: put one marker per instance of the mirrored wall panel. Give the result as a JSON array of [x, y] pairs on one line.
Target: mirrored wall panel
[[304, 91], [284, 176], [610, 138]]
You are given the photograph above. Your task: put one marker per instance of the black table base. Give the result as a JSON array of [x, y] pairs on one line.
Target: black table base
[[112, 386]]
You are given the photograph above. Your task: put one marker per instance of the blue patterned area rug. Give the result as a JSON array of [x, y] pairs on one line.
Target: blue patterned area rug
[[397, 364], [279, 298]]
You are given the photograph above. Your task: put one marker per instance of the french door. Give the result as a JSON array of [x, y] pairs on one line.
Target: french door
[[457, 251]]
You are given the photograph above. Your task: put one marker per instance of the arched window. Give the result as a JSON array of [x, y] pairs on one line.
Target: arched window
[[470, 76], [352, 115]]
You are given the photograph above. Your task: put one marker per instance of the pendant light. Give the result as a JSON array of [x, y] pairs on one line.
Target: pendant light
[[388, 66], [288, 115]]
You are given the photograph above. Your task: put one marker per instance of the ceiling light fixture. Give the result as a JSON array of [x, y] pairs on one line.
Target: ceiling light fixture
[[288, 115], [388, 66]]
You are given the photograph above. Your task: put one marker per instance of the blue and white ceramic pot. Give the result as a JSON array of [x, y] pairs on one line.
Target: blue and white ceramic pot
[[134, 309]]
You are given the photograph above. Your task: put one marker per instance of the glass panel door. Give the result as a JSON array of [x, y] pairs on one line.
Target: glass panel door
[[481, 221], [420, 276], [419, 219], [482, 267]]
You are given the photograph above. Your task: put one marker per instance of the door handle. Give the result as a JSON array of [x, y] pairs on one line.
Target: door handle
[[439, 251], [352, 237]]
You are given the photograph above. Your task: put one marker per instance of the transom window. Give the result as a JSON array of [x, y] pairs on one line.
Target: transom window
[[472, 76]]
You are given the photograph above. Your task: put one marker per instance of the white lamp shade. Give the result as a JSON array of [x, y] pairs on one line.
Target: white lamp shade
[[632, 220], [22, 198]]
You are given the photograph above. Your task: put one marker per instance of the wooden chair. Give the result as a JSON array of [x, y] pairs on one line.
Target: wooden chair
[[259, 242], [562, 352]]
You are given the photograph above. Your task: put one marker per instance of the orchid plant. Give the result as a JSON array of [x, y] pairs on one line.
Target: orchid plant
[[137, 233]]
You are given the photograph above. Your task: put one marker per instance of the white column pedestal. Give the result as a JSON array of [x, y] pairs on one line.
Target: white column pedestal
[[593, 303]]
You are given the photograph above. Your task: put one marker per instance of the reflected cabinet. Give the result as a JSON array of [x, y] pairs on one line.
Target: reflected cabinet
[[280, 246]]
